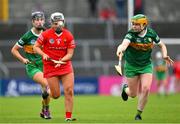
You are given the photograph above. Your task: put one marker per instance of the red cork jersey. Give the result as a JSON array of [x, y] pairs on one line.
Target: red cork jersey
[[55, 46]]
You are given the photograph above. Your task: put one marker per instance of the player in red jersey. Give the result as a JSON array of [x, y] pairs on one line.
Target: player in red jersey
[[176, 69], [57, 43]]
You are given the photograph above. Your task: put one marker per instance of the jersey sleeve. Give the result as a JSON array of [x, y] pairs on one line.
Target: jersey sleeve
[[71, 42], [41, 38], [22, 41], [156, 38], [128, 36]]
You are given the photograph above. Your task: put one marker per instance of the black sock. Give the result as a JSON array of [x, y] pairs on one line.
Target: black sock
[[46, 107], [139, 112]]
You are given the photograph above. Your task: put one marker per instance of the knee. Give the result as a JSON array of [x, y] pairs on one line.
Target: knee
[[145, 90], [69, 92], [132, 95], [45, 95], [55, 95]]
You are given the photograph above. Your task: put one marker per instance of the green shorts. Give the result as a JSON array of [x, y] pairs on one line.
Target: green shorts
[[131, 71], [33, 68], [161, 75]]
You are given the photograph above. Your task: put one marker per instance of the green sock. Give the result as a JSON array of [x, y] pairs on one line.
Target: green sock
[[139, 112]]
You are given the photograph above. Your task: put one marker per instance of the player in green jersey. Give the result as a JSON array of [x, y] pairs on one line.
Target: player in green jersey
[[161, 72], [33, 61], [137, 47]]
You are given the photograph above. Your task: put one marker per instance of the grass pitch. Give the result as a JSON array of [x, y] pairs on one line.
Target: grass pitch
[[91, 109]]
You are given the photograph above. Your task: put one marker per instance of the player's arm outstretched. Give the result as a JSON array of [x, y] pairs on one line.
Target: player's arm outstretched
[[164, 53], [122, 47]]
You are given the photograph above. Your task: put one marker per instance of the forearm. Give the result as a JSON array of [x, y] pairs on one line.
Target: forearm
[[122, 47], [163, 49], [16, 54], [67, 57], [38, 50]]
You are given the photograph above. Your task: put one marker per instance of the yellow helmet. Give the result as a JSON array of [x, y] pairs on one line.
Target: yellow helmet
[[140, 19]]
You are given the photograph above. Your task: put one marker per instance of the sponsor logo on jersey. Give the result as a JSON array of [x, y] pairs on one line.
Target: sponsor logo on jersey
[[58, 48]]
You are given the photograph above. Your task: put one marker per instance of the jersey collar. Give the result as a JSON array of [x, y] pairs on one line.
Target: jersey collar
[[142, 35], [34, 33]]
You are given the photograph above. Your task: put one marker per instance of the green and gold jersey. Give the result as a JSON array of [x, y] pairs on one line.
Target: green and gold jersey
[[160, 69], [138, 53], [160, 66], [26, 42]]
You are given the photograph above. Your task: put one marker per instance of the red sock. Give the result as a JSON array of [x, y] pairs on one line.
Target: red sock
[[68, 114]]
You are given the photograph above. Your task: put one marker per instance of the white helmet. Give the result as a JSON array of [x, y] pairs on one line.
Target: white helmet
[[57, 16]]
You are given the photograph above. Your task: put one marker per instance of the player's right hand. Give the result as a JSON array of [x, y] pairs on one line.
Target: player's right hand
[[120, 54], [168, 60], [45, 56], [119, 51], [58, 63], [25, 61]]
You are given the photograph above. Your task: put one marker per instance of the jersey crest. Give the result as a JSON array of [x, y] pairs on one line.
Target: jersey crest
[[51, 41], [33, 41]]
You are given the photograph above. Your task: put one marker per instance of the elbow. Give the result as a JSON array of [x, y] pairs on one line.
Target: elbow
[[71, 55], [12, 51]]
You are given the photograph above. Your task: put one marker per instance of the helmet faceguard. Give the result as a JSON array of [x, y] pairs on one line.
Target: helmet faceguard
[[57, 18], [37, 15]]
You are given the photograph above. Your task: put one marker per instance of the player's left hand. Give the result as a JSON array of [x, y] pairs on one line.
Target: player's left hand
[[168, 60], [58, 63]]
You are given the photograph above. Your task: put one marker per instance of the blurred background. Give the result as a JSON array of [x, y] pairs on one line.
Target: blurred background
[[98, 27]]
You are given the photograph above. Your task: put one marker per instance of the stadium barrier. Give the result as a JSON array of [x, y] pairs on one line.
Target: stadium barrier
[[103, 85], [20, 87]]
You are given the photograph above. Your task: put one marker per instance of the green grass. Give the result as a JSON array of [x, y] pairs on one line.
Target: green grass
[[91, 109]]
